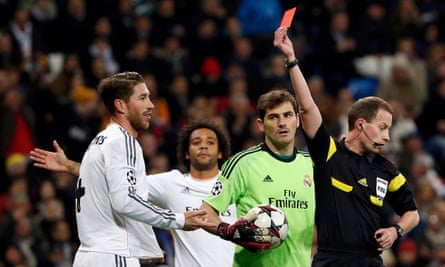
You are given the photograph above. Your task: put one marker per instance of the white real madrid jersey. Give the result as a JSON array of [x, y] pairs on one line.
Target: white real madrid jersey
[[112, 217], [180, 192]]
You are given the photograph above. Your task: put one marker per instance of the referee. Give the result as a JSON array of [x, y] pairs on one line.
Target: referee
[[352, 179]]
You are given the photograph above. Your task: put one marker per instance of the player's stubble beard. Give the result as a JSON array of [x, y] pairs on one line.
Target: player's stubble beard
[[203, 165], [138, 121]]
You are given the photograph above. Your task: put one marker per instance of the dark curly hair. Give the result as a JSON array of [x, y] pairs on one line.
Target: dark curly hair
[[184, 142]]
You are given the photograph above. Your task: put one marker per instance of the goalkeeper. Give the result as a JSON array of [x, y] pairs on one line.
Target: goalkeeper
[[273, 172]]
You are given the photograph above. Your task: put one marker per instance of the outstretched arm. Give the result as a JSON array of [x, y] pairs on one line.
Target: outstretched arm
[[54, 161], [240, 232], [309, 112]]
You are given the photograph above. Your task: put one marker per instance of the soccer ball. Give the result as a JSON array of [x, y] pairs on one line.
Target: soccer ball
[[272, 218]]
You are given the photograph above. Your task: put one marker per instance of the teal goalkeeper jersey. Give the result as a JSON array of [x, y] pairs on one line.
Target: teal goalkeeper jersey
[[258, 176]]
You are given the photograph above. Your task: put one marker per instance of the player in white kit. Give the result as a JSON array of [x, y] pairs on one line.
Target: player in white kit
[[113, 215], [202, 149]]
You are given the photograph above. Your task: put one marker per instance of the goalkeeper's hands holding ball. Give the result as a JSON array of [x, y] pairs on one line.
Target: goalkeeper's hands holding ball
[[244, 233]]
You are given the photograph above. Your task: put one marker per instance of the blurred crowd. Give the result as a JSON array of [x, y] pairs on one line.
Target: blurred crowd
[[209, 58]]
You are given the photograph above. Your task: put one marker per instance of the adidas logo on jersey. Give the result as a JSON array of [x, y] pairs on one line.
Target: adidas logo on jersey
[[363, 182], [267, 179], [186, 190]]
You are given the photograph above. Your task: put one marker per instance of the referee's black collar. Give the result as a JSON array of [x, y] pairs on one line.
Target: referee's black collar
[[370, 156]]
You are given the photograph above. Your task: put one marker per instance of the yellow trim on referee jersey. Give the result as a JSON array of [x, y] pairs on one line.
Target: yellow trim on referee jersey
[[340, 185], [396, 183], [332, 148], [374, 200]]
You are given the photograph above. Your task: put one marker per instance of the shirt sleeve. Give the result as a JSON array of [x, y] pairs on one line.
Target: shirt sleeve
[[229, 186], [400, 195], [321, 147], [158, 187], [128, 185]]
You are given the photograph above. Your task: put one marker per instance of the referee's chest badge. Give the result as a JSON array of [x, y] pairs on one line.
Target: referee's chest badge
[[381, 188], [307, 180]]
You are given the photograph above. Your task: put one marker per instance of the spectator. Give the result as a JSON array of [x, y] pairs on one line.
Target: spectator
[[211, 83], [101, 48], [174, 53], [275, 75], [407, 254], [337, 49], [142, 30], [417, 65], [178, 98], [10, 55], [411, 146], [80, 123], [122, 23], [326, 104], [423, 168], [238, 118], [435, 59], [62, 249], [150, 147], [402, 126], [373, 37], [243, 55], [207, 41], [72, 26], [345, 98], [17, 127], [433, 236], [425, 197], [215, 10], [60, 86], [140, 58], [402, 86], [27, 38], [43, 14], [30, 243], [161, 116], [438, 256], [166, 22], [430, 36], [405, 20], [50, 211], [431, 124], [236, 86]]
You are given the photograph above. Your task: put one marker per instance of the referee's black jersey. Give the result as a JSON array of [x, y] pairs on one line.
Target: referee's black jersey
[[350, 190]]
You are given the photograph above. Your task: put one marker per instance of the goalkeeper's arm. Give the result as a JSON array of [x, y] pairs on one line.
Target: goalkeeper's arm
[[240, 232], [211, 216]]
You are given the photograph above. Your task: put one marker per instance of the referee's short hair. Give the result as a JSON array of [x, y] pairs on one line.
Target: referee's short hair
[[367, 108]]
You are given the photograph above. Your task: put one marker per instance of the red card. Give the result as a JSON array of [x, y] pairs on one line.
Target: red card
[[286, 21]]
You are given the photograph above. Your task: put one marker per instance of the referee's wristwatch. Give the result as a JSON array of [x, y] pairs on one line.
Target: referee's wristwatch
[[399, 230], [289, 64]]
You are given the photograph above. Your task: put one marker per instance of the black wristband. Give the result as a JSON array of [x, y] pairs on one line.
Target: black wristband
[[399, 230], [290, 64]]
